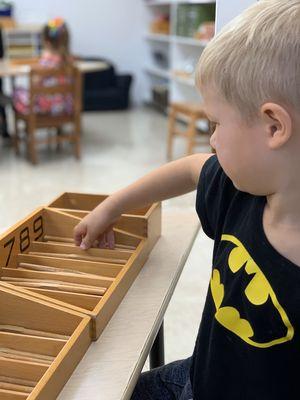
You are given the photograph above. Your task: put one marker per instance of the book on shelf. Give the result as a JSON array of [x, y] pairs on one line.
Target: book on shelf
[[21, 51], [161, 25]]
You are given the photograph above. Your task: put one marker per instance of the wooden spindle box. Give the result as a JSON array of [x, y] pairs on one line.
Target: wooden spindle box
[[55, 298], [38, 254]]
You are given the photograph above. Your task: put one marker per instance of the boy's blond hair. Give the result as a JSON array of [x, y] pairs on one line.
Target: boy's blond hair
[[256, 58]]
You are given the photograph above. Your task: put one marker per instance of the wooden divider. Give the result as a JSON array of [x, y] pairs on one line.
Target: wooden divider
[[34, 337], [80, 204]]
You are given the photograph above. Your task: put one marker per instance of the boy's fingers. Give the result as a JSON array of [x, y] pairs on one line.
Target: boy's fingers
[[107, 240], [79, 232], [86, 242], [82, 237], [83, 246], [85, 237], [102, 242], [111, 239], [95, 243]]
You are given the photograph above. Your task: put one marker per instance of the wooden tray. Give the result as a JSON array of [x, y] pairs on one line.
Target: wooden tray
[[145, 222], [38, 254], [40, 345]]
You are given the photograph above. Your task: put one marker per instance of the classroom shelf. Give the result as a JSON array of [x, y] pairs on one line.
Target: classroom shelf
[[170, 52], [22, 41], [157, 37], [189, 41], [164, 3], [160, 72], [184, 81]]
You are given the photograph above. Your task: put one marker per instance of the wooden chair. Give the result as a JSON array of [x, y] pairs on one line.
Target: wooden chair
[[72, 85], [193, 113]]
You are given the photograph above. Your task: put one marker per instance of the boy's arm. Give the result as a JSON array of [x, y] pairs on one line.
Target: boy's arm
[[170, 180]]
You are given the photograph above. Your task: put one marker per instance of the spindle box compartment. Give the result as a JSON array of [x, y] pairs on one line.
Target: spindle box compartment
[[40, 345], [145, 222]]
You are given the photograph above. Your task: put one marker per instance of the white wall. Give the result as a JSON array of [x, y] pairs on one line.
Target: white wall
[[228, 9], [108, 28]]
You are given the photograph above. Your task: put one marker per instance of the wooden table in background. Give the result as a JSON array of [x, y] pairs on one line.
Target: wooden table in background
[[112, 365], [12, 69]]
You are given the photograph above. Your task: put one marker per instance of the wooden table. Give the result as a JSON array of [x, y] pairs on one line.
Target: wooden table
[[113, 364], [11, 69]]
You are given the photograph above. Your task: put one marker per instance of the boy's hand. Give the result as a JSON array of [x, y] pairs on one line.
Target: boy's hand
[[95, 230]]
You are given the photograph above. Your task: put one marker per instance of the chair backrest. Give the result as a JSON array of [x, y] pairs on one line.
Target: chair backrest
[[56, 81]]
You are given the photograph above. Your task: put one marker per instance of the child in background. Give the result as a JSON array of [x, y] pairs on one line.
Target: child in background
[[248, 201], [54, 55]]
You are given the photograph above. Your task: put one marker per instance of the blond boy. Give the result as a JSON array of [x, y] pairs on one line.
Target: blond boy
[[248, 201]]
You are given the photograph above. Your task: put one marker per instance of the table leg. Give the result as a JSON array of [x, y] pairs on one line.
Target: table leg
[[157, 352], [3, 118]]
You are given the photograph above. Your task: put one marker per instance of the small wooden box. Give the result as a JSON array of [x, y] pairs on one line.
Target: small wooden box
[[38, 254], [40, 345], [145, 222]]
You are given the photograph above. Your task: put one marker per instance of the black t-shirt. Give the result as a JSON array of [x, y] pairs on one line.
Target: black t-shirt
[[248, 345]]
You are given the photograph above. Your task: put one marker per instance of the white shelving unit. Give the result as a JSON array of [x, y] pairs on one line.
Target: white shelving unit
[[167, 54], [158, 72], [23, 41], [155, 37]]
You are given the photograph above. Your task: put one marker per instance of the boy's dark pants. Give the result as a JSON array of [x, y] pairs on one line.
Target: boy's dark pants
[[170, 382]]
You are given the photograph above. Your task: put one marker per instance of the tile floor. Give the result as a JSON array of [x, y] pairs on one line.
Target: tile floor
[[117, 148]]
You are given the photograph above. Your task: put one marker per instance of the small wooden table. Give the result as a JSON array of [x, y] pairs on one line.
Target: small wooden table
[[12, 69], [112, 365]]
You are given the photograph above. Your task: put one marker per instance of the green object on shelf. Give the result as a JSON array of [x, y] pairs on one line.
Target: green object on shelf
[[190, 16], [181, 20]]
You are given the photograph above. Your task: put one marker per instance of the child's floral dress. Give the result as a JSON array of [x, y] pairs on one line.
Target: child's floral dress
[[54, 104]]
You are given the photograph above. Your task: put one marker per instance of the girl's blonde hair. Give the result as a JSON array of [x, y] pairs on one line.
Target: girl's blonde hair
[[56, 34], [256, 58]]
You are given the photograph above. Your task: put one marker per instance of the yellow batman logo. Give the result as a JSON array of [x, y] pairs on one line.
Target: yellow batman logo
[[258, 291]]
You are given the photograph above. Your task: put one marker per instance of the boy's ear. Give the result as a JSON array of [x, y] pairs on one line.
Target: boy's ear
[[277, 123]]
